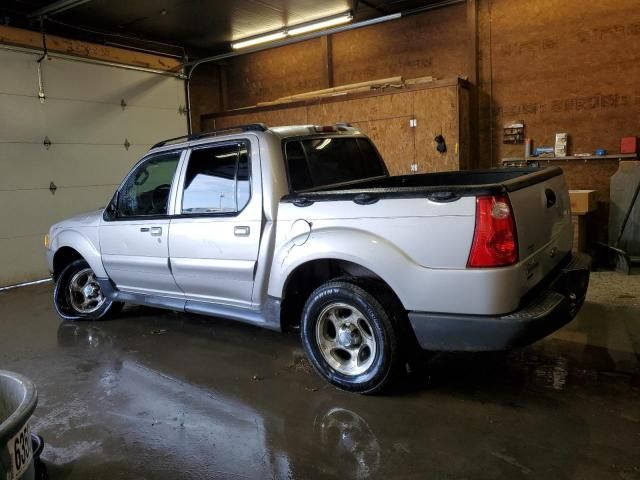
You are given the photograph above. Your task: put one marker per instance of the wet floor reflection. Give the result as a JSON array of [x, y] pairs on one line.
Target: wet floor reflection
[[159, 395]]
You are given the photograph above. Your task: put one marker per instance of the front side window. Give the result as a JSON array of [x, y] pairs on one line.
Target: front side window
[[217, 180], [146, 190]]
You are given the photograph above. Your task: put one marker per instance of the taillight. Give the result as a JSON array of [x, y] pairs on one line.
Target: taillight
[[495, 242]]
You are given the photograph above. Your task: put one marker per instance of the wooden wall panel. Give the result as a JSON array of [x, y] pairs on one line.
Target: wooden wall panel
[[205, 90], [559, 65], [465, 155], [562, 66], [432, 43], [273, 118], [436, 113], [276, 73], [566, 66], [385, 118], [371, 108], [395, 140]]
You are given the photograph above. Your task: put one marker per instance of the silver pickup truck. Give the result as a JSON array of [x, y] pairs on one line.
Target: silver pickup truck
[[302, 227]]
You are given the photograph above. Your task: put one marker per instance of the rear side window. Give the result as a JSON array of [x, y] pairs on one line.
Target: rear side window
[[319, 162], [217, 180]]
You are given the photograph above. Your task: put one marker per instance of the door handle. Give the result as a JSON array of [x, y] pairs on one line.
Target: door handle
[[242, 231], [155, 231]]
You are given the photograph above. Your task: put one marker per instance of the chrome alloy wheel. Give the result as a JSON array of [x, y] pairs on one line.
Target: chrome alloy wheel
[[345, 339], [85, 295]]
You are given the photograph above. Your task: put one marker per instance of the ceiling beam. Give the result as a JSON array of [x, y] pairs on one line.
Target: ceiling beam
[[33, 40], [56, 7]]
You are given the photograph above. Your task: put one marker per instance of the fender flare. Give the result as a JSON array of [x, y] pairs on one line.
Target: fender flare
[[81, 244], [370, 251]]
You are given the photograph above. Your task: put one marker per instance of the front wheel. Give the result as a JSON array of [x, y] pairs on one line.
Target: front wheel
[[77, 294], [349, 338]]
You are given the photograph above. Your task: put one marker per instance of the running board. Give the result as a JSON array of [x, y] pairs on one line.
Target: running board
[[268, 317]]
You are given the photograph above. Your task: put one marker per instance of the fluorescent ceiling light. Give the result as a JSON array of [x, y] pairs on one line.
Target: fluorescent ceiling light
[[320, 24], [249, 42], [296, 30]]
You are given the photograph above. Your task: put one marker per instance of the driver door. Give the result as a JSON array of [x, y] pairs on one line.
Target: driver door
[[134, 234]]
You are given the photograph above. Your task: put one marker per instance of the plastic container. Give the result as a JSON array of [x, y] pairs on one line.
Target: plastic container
[[18, 400]]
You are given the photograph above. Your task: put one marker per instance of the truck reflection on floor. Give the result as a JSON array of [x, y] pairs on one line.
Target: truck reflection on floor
[[191, 428], [142, 414]]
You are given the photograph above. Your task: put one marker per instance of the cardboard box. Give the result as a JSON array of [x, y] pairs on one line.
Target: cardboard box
[[583, 201], [562, 140]]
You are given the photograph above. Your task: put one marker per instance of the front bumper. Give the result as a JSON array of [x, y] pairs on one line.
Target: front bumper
[[554, 304]]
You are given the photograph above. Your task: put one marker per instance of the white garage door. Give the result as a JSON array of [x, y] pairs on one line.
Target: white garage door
[[88, 127]]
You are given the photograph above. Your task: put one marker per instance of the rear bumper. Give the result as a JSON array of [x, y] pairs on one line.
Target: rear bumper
[[561, 297]]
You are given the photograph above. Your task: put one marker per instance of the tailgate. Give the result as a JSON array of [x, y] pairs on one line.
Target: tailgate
[[543, 221]]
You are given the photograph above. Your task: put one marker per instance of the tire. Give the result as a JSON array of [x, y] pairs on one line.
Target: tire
[[69, 299], [350, 339]]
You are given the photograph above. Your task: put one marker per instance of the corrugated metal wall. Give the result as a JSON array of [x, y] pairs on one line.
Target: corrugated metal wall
[[83, 117]]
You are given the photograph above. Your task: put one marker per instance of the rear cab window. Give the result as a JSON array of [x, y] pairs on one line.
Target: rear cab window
[[325, 161]]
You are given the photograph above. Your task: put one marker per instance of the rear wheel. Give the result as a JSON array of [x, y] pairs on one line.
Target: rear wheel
[[77, 294], [350, 338]]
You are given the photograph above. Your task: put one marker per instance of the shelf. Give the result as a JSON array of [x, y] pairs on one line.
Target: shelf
[[619, 156]]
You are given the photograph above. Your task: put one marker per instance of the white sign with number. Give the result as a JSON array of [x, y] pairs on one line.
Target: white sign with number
[[20, 452]]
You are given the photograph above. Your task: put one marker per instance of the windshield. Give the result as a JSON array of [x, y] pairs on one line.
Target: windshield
[[318, 162]]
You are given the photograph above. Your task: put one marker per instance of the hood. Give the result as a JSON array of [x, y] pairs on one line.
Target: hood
[[91, 219]]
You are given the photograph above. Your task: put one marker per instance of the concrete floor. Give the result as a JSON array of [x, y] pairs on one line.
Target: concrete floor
[[155, 395]]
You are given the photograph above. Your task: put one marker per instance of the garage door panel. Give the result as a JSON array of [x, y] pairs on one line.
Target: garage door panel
[[22, 119], [68, 80], [85, 122], [87, 159], [24, 166], [165, 124], [77, 165], [76, 200], [22, 259], [25, 212], [24, 78]]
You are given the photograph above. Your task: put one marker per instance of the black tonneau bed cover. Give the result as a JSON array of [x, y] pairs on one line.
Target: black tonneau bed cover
[[444, 186]]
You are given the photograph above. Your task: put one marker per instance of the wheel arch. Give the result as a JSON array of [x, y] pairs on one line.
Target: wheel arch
[[71, 246], [309, 275]]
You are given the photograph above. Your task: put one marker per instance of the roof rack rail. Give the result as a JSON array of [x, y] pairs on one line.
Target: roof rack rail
[[250, 127]]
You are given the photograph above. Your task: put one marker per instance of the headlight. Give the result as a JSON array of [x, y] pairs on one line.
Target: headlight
[[46, 241]]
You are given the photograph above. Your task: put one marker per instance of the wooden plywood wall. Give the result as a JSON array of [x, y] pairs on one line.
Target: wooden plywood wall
[[565, 66], [385, 118], [276, 73], [205, 89], [433, 43], [560, 65]]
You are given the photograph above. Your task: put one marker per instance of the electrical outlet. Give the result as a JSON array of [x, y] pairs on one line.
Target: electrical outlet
[[414, 167], [413, 123]]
